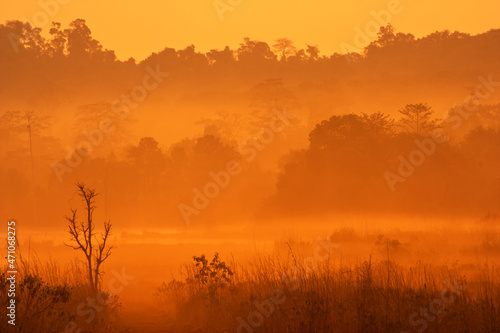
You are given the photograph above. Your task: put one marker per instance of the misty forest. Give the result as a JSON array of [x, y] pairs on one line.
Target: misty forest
[[266, 188]]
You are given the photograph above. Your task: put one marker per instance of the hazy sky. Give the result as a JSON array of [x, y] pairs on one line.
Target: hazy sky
[[137, 28]]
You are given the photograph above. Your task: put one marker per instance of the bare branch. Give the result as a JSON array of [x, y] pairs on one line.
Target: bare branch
[[83, 233], [75, 232]]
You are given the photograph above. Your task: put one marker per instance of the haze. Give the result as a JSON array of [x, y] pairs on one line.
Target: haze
[[271, 167]]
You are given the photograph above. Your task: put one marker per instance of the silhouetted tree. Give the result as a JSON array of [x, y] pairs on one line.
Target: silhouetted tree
[[80, 41], [417, 119], [33, 42], [284, 47], [211, 154], [378, 123], [83, 235], [81, 46], [397, 43], [342, 166], [386, 35], [267, 96], [150, 160], [192, 60], [313, 52], [57, 43], [254, 53], [221, 58]]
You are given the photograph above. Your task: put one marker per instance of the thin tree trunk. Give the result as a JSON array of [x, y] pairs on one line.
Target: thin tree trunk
[[33, 197]]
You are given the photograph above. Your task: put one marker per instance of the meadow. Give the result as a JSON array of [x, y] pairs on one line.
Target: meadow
[[361, 277]]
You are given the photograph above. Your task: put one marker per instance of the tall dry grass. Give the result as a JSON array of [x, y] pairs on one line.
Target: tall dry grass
[[54, 299], [330, 296]]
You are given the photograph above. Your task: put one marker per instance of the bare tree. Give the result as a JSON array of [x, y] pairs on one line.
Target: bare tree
[[82, 233]]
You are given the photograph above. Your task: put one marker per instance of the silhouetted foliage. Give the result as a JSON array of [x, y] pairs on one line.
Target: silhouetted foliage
[[343, 168], [417, 119], [347, 103]]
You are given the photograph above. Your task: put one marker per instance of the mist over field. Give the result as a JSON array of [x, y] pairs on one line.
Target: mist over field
[[267, 187]]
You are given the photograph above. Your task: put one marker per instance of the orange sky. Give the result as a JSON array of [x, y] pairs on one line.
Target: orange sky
[[137, 28]]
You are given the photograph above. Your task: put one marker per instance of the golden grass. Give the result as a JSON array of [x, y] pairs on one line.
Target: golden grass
[[368, 296], [51, 299]]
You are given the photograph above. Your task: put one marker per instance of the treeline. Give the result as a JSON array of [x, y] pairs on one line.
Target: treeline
[[56, 91], [354, 163], [370, 163], [73, 50]]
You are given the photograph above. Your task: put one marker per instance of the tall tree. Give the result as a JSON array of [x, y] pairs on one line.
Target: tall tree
[[417, 119], [313, 52], [254, 53], [149, 159], [80, 43], [284, 47], [267, 97], [57, 43]]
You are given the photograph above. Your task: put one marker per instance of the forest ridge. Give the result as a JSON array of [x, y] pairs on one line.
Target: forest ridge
[[22, 43], [363, 135]]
